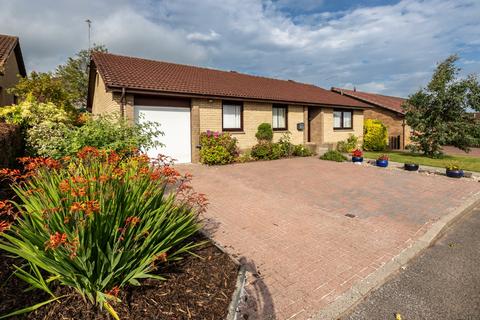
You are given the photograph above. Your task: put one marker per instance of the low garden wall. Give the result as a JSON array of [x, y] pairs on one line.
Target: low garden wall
[[11, 144]]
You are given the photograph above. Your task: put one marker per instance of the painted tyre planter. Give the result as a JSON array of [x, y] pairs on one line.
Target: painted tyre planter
[[382, 163], [357, 159], [454, 173], [411, 166]]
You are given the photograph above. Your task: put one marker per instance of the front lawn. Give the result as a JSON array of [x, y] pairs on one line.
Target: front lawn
[[466, 162]]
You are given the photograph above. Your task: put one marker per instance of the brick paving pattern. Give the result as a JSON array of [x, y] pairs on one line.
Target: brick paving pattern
[[286, 220]]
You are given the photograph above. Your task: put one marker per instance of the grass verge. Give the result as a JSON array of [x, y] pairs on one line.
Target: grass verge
[[466, 162]]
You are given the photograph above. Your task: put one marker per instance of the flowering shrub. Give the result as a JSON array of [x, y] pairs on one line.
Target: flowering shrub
[[301, 151], [375, 136], [217, 148], [453, 165], [357, 153], [109, 132], [348, 145], [285, 145], [99, 221], [383, 157]]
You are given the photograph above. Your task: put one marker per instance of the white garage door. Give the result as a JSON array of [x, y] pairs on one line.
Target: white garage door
[[175, 124]]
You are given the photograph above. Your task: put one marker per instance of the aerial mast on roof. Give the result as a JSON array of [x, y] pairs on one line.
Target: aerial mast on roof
[[89, 23]]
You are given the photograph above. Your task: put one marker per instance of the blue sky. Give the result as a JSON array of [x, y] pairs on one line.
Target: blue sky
[[388, 47]]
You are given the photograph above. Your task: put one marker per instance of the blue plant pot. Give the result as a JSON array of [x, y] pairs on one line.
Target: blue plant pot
[[357, 159], [454, 173], [382, 163]]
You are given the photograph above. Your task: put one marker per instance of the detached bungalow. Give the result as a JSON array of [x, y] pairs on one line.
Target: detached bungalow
[[188, 100], [11, 65], [387, 109]]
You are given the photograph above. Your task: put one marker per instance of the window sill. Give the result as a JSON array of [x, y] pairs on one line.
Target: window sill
[[234, 131], [342, 129], [280, 130]]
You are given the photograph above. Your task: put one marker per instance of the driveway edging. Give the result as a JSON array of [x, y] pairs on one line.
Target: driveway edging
[[358, 292]]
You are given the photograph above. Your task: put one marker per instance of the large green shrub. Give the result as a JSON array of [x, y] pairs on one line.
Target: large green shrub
[[375, 136], [264, 132], [348, 145], [217, 148], [263, 151], [100, 222], [333, 155], [110, 132]]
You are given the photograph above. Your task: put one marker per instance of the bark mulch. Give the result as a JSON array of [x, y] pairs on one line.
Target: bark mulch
[[196, 288]]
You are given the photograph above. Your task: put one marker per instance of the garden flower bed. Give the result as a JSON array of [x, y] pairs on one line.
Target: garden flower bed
[[195, 288], [105, 235]]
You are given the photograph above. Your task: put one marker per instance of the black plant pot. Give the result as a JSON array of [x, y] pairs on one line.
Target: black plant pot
[[454, 173], [411, 166]]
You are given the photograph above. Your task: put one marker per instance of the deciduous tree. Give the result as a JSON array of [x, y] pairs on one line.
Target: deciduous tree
[[439, 114]]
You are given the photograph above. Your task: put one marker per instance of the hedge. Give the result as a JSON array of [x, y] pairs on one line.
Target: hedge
[[11, 144]]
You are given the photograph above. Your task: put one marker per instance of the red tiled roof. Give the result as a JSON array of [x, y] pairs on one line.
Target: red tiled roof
[[387, 102], [7, 44], [149, 75]]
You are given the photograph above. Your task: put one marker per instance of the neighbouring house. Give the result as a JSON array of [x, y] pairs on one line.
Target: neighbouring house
[[188, 100], [11, 65], [388, 110]]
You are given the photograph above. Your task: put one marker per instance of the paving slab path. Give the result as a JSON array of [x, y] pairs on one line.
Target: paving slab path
[[441, 283], [308, 230]]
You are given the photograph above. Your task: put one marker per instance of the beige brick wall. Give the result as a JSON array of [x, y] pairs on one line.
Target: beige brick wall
[[393, 121], [254, 113], [331, 136], [108, 102], [8, 80]]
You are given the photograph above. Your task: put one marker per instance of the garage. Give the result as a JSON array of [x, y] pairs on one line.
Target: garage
[[174, 119]]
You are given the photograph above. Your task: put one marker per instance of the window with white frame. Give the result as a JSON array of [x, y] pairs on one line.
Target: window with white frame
[[232, 116], [342, 119], [279, 117]]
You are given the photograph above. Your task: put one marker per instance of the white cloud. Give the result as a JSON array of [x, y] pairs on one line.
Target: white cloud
[[390, 49], [203, 37]]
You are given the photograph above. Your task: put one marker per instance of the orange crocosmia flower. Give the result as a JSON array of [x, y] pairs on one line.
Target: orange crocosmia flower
[[144, 170], [79, 180], [88, 151], [64, 186], [114, 291], [82, 191], [118, 172], [132, 221], [56, 240], [103, 178], [76, 206], [113, 157], [4, 225], [162, 257], [91, 206]]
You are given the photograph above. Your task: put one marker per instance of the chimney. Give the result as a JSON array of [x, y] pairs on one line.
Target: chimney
[[354, 89]]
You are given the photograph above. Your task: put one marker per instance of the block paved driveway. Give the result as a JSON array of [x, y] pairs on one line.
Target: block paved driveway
[[286, 220]]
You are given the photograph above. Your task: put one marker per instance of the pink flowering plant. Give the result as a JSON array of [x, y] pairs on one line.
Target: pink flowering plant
[[217, 148], [98, 222]]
